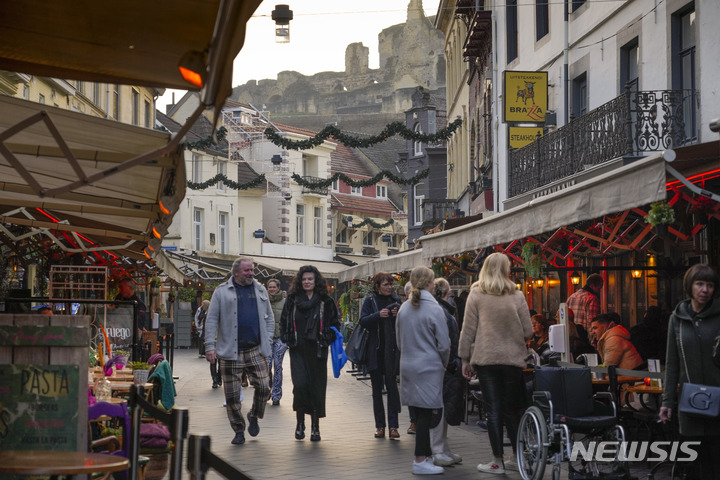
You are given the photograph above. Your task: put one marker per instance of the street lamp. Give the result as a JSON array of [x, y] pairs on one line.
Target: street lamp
[[282, 16], [575, 278]]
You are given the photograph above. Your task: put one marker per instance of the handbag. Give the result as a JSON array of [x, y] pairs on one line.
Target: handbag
[[695, 399], [339, 357], [356, 348]]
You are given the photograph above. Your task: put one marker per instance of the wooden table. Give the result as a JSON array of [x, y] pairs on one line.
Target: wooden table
[[48, 462], [654, 393]]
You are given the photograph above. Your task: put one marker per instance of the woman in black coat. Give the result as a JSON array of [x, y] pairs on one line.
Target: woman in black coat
[[305, 327], [378, 315]]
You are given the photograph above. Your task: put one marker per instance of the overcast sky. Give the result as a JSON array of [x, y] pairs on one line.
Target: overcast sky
[[319, 33]]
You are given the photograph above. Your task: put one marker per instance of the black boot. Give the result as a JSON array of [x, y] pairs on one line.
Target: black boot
[[315, 428], [300, 428]]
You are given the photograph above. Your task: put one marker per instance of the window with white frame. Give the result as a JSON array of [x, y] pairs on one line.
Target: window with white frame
[[418, 197], [356, 190], [223, 231], [135, 107], [342, 236], [367, 239], [198, 229], [221, 170], [417, 146], [317, 225], [240, 234], [300, 223], [148, 113], [197, 168], [41, 99], [381, 191], [26, 92], [336, 185]]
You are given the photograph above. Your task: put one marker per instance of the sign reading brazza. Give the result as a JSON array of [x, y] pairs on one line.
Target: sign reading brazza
[[526, 96]]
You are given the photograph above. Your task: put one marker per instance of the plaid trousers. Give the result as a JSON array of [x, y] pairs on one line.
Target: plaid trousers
[[255, 367]]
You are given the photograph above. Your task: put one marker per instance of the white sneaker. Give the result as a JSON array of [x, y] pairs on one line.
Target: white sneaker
[[511, 464], [426, 467], [491, 467], [456, 458], [442, 460]]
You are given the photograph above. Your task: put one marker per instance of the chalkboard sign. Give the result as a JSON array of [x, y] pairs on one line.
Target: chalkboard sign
[[39, 407]]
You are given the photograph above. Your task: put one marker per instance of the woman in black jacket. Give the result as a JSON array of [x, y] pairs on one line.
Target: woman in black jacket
[[383, 358], [305, 327]]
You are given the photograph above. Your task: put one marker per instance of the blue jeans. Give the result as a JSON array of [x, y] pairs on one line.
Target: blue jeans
[[278, 353], [504, 394]]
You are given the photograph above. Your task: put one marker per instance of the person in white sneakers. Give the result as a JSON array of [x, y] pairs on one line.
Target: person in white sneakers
[[424, 343]]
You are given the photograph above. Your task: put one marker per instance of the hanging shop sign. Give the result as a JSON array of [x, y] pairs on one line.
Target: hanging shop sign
[[526, 96], [519, 137]]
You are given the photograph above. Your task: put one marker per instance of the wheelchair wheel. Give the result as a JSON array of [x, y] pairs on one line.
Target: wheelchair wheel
[[586, 469], [531, 449]]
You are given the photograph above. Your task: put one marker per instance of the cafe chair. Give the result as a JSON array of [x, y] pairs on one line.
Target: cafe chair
[[109, 432], [163, 385], [565, 411]]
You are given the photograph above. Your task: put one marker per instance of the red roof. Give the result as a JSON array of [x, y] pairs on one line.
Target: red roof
[[375, 206], [344, 160]]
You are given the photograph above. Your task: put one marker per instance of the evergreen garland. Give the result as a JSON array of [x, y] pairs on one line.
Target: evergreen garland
[[207, 142], [392, 129], [372, 222], [361, 183], [229, 183]]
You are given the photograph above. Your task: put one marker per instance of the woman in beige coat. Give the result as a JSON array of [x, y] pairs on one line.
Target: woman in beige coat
[[492, 346]]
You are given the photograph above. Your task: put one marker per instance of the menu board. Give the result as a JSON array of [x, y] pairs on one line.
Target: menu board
[[39, 407]]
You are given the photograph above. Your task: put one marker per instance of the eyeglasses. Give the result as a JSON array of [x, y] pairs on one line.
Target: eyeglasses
[[386, 284]]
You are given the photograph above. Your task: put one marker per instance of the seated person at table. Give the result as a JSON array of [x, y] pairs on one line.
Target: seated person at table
[[613, 343], [650, 335]]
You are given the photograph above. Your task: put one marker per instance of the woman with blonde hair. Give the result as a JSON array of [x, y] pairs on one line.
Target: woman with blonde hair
[[424, 342], [492, 346]]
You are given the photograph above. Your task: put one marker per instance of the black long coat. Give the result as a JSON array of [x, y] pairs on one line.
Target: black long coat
[[370, 319]]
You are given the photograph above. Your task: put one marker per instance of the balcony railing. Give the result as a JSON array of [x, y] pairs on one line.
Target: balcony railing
[[630, 124], [314, 190]]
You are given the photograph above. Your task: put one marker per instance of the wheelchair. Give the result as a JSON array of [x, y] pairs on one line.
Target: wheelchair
[[564, 411]]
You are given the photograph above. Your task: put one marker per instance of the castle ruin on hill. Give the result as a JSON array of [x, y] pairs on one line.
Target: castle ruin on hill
[[359, 99]]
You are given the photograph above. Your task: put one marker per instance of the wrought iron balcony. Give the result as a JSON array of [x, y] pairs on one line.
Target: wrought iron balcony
[[631, 124], [314, 190]]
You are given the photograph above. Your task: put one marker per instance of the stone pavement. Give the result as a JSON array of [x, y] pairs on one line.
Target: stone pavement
[[348, 449]]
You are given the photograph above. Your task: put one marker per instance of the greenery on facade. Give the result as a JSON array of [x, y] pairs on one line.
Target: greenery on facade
[[361, 183], [533, 259], [661, 213], [350, 304], [390, 130], [370, 221], [221, 177], [208, 142]]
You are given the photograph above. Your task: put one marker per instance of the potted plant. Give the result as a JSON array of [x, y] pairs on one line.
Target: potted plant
[[141, 371], [532, 257], [186, 295], [659, 216], [155, 285]]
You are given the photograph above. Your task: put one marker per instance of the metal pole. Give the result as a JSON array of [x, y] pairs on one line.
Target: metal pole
[[197, 444], [180, 416]]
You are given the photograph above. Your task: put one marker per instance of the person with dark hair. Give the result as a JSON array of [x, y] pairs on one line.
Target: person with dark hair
[[378, 316], [238, 331], [277, 301], [492, 346], [308, 314], [650, 335], [692, 333], [540, 326], [585, 303], [424, 343], [126, 292], [612, 342]]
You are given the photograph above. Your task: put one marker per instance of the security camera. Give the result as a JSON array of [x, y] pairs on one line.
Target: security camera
[[715, 125]]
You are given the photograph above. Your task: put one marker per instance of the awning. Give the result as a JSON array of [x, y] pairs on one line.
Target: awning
[[402, 262], [290, 266], [633, 185], [133, 42], [65, 187]]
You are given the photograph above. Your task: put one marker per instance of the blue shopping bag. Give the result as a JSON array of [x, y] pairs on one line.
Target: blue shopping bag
[[339, 359]]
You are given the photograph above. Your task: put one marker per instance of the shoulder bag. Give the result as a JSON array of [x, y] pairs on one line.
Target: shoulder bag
[[356, 348], [695, 399]]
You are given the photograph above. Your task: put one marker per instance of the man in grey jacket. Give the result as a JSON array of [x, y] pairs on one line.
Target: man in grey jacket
[[238, 333]]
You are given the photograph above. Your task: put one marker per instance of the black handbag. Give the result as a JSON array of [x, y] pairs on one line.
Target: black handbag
[[356, 348], [697, 400]]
